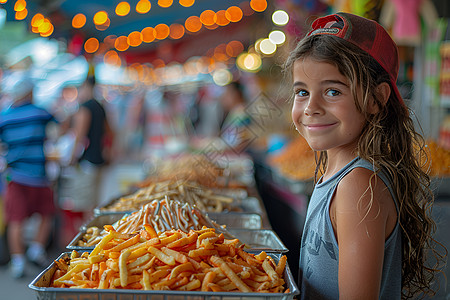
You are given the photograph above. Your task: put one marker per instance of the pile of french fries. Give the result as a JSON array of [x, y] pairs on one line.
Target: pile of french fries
[[163, 215], [188, 167], [191, 192], [200, 260]]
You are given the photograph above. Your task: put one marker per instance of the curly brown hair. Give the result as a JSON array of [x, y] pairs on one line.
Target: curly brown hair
[[391, 143]]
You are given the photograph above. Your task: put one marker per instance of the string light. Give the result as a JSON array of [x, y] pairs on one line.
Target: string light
[[78, 21], [100, 17], [208, 17], [165, 3], [135, 39], [234, 14], [176, 31], [258, 5], [123, 9], [91, 45], [193, 24], [148, 34], [222, 19], [186, 3], [143, 6], [161, 31]]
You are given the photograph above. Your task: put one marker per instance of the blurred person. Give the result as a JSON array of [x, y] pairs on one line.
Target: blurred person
[[236, 120], [28, 191], [79, 190]]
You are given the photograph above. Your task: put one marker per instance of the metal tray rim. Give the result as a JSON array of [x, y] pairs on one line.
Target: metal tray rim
[[294, 290]]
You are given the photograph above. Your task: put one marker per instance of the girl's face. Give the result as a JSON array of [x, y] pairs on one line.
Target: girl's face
[[324, 111]]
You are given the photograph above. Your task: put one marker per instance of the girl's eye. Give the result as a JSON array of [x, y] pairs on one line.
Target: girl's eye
[[332, 93], [301, 93]]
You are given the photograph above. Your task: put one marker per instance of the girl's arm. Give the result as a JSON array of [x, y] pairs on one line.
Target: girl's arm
[[361, 225]]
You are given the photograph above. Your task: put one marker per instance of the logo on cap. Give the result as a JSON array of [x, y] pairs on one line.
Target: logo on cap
[[326, 31]]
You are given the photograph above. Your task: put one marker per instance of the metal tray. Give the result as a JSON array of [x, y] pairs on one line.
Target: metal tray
[[254, 239], [43, 292], [237, 219], [247, 205], [259, 239], [230, 219]]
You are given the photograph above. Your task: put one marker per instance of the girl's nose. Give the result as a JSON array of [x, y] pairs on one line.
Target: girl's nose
[[313, 105]]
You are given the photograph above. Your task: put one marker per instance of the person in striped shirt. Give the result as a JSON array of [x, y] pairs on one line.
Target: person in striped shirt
[[28, 190]]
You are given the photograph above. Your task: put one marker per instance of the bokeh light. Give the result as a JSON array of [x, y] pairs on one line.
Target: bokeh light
[[121, 43], [78, 21], [165, 3], [123, 9], [187, 3], [22, 14], [277, 37], [135, 38], [112, 58], [148, 34], [20, 5], [91, 45], [280, 17], [258, 5], [222, 77], [234, 48], [161, 31], [267, 47], [100, 17], [176, 31], [208, 17], [143, 6], [193, 24], [222, 19], [234, 14]]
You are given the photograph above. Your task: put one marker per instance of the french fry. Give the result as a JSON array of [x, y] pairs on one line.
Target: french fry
[[127, 243], [123, 271], [214, 287], [179, 257], [149, 228], [270, 271], [194, 284], [139, 261], [209, 278], [281, 265], [161, 256], [230, 274], [181, 268], [202, 252]]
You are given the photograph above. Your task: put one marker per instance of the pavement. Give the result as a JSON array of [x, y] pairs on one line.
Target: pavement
[[113, 185]]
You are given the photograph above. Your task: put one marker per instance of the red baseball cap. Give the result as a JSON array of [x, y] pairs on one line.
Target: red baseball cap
[[368, 35]]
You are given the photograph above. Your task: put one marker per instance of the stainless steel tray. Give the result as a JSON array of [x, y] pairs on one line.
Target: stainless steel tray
[[43, 292], [259, 239], [247, 205], [237, 219], [230, 219], [254, 239]]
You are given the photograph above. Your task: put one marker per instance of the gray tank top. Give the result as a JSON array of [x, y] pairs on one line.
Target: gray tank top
[[319, 252]]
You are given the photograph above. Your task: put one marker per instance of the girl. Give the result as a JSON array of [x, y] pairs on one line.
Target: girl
[[368, 222]]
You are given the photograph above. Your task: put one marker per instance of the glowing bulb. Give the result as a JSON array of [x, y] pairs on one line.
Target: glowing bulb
[[222, 77], [267, 47], [280, 18], [122, 9], [277, 37], [100, 17]]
